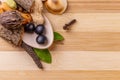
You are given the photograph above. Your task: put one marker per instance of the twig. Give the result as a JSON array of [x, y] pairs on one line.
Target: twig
[[31, 52]]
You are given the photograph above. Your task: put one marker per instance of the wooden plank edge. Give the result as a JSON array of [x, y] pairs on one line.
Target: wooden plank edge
[[60, 75]]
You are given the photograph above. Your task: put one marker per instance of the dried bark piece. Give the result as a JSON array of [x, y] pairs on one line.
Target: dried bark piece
[[31, 52], [4, 7], [11, 19], [35, 9], [26, 4], [12, 36]]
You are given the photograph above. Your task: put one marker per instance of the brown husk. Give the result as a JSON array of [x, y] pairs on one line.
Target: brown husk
[[12, 36], [11, 19], [26, 4]]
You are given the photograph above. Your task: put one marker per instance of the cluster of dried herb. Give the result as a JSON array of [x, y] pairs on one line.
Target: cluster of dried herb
[[12, 23], [11, 19]]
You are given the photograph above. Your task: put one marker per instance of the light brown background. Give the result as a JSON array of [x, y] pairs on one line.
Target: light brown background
[[91, 50]]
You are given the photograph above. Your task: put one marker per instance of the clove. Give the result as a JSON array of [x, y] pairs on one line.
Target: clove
[[67, 26]]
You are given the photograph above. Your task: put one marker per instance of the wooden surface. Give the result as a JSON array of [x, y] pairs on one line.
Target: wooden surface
[[60, 75], [91, 50]]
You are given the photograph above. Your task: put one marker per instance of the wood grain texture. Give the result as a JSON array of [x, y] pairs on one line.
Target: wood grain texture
[[99, 30], [60, 75], [78, 6], [62, 60], [90, 49]]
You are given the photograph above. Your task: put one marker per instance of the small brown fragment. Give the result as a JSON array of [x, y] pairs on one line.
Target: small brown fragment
[[67, 26], [26, 4], [19, 8], [31, 52], [11, 19]]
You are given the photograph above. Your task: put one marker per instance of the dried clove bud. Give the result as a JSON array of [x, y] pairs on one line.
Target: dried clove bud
[[67, 26]]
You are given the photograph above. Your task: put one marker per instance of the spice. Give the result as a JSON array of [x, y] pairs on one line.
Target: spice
[[12, 36], [28, 5], [67, 26], [11, 19], [37, 13], [4, 7], [11, 3], [31, 52], [19, 8]]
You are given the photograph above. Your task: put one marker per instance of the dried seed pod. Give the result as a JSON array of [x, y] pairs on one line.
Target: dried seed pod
[[12, 36], [35, 8], [11, 19]]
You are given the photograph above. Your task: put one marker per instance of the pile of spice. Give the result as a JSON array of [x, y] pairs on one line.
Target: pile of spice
[[16, 18]]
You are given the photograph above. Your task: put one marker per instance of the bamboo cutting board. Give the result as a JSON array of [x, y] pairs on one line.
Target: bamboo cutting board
[[91, 50]]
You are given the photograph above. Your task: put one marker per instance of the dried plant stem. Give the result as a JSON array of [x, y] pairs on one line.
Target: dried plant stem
[[31, 52]]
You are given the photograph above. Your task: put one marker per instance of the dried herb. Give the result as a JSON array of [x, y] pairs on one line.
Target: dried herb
[[11, 3], [12, 36], [58, 37], [31, 52], [67, 26], [44, 55], [26, 4], [11, 19]]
